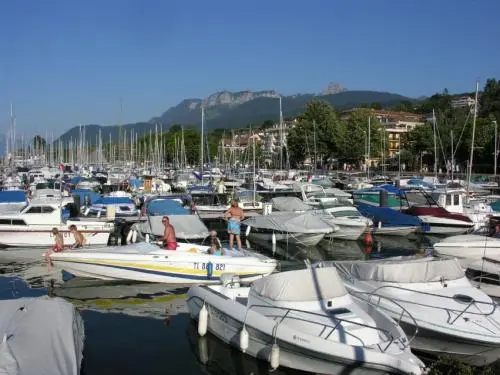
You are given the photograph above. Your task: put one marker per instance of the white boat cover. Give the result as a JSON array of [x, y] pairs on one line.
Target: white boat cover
[[290, 222], [311, 284], [338, 193], [187, 227], [289, 204], [420, 270], [40, 336]]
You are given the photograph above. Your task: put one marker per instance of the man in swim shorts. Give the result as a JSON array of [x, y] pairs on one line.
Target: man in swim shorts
[[58, 246], [169, 240], [234, 216]]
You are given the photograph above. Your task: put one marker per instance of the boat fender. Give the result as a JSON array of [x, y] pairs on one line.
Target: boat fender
[[147, 237], [273, 238], [244, 339], [247, 231], [203, 350], [203, 321], [210, 270], [379, 224], [274, 360], [368, 239], [129, 236], [134, 236]]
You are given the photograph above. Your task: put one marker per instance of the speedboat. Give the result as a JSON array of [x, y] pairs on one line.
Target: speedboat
[[298, 228], [485, 275], [303, 320], [143, 261], [469, 246], [432, 298]]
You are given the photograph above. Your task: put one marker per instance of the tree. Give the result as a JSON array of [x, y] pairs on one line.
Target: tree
[[39, 143], [376, 105], [318, 129], [267, 124], [490, 100]]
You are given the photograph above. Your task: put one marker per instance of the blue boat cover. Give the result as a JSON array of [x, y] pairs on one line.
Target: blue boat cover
[[166, 207], [12, 196], [387, 216], [114, 200], [86, 195], [391, 189], [135, 183]]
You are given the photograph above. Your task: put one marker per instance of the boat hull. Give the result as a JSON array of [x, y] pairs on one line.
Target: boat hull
[[445, 226], [160, 267], [348, 232], [301, 239]]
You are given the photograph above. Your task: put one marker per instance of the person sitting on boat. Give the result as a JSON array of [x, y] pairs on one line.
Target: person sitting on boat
[[169, 239], [58, 246], [215, 244], [234, 216], [79, 239]]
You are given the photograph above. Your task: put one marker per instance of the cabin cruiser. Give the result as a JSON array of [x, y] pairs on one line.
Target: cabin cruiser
[[298, 228], [303, 320], [469, 246], [146, 262], [121, 205], [432, 299], [32, 227]]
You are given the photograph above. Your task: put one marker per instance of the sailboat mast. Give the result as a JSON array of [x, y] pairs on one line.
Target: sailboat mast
[[281, 136], [201, 145], [435, 144], [473, 137]]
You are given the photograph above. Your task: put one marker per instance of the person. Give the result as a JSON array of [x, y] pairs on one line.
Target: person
[[58, 246], [234, 216], [215, 244], [169, 240], [79, 239]]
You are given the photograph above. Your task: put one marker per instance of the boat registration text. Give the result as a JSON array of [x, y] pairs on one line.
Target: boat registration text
[[203, 266]]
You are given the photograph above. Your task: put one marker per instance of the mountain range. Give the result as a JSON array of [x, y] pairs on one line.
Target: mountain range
[[227, 109]]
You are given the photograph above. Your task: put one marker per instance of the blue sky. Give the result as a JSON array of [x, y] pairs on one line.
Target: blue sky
[[68, 62]]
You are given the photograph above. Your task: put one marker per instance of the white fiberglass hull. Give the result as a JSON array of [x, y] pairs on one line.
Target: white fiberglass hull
[[347, 231], [472, 246], [41, 235], [162, 266], [445, 226], [301, 239], [296, 349]]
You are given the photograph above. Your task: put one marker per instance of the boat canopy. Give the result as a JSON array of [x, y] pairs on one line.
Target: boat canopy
[[12, 196], [289, 204], [114, 200], [187, 227], [165, 207], [420, 270], [310, 284], [290, 222], [41, 336], [387, 215]]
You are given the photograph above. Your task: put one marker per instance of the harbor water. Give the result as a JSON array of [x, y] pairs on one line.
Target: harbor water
[[145, 329]]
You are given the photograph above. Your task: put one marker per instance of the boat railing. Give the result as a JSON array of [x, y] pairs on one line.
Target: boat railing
[[339, 321], [404, 311], [468, 300]]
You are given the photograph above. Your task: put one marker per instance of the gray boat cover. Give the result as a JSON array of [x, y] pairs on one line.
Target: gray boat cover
[[289, 204], [187, 227], [290, 222], [40, 336], [417, 270], [311, 284]]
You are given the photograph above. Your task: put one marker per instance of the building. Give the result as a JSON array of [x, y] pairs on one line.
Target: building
[[463, 102], [395, 124]]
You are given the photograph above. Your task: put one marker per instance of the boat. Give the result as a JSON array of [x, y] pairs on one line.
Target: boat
[[40, 336], [12, 200], [146, 262], [122, 206], [485, 275], [303, 320], [32, 227], [298, 228], [432, 298]]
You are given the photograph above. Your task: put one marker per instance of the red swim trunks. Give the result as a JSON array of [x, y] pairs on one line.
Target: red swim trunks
[[170, 245]]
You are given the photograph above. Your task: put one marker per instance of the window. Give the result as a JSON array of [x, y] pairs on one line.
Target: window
[[12, 222], [456, 200], [34, 210], [47, 209], [448, 199]]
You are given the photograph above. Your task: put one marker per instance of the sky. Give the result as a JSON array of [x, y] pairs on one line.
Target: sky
[[64, 63]]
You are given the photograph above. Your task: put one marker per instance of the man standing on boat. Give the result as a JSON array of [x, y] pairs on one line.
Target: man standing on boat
[[169, 239], [234, 216]]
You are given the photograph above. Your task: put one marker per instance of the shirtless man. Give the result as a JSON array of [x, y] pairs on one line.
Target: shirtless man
[[58, 246], [169, 240], [79, 239], [234, 216]]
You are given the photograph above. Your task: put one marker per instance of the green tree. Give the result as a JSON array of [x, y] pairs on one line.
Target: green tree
[[267, 124], [39, 143], [490, 100], [376, 105]]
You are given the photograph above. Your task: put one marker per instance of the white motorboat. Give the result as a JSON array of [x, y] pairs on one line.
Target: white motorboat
[[485, 275], [298, 228], [338, 210], [32, 227], [469, 246], [143, 261], [431, 296], [304, 320], [40, 336]]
